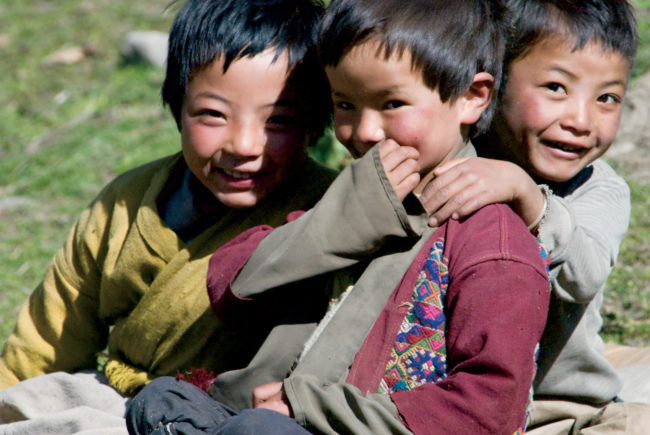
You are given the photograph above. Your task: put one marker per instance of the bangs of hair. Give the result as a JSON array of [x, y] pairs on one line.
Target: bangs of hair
[[609, 23]]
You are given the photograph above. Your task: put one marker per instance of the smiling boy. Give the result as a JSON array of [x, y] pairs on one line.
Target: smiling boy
[[567, 66], [237, 124], [245, 89], [433, 330]]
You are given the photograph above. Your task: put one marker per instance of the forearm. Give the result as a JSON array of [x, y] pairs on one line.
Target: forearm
[[356, 217], [529, 201], [582, 236], [340, 408]]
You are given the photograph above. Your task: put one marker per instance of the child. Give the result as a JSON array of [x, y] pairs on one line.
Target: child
[[245, 88], [438, 333], [567, 66]]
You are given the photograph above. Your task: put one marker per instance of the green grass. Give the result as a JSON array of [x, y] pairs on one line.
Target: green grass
[[627, 303], [66, 130]]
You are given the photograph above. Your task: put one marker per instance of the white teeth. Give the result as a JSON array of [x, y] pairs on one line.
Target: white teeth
[[565, 147], [237, 174]]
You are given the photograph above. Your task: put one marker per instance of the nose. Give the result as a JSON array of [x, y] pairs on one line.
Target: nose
[[578, 117], [247, 139], [368, 129]]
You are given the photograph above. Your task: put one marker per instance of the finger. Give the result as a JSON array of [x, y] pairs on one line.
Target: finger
[[386, 147], [461, 205], [448, 165], [441, 190], [397, 155], [264, 392], [406, 186], [403, 170]]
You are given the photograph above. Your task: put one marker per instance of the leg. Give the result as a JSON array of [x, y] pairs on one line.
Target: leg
[[558, 417], [261, 421], [171, 406], [620, 418], [555, 417]]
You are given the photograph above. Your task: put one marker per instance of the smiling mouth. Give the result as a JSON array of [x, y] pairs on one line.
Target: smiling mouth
[[237, 174], [565, 147]]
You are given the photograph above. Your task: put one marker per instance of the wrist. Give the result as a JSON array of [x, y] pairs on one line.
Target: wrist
[[528, 201], [546, 193]]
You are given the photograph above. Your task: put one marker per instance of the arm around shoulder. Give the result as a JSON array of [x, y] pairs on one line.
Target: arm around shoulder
[[358, 215], [496, 310], [582, 232]]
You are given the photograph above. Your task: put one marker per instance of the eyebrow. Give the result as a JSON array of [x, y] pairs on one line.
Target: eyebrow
[[213, 96], [282, 102], [562, 71], [382, 93], [573, 76]]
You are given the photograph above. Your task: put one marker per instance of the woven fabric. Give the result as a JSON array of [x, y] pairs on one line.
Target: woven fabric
[[419, 355]]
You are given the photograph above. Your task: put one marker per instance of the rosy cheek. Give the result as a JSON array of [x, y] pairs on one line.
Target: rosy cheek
[[199, 141], [343, 133], [285, 148], [405, 132]]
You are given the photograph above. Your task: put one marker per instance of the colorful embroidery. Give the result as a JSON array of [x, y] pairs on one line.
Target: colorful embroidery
[[419, 355]]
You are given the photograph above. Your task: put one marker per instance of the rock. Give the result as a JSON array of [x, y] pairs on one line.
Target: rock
[[4, 40], [146, 47], [65, 56]]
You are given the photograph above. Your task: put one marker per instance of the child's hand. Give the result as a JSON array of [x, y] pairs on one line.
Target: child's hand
[[401, 167], [271, 396], [463, 186]]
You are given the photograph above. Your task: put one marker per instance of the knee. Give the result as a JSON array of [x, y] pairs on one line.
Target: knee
[[155, 391], [166, 401], [145, 411]]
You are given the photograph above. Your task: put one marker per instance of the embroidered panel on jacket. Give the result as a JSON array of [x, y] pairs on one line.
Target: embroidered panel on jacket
[[419, 355]]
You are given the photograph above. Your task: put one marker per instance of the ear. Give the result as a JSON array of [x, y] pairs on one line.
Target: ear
[[477, 98]]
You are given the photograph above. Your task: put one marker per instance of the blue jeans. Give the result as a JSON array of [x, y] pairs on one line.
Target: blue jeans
[[168, 406]]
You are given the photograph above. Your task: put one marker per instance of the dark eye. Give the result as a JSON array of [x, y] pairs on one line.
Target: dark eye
[[281, 120], [555, 87], [394, 104], [343, 105], [609, 99], [212, 113]]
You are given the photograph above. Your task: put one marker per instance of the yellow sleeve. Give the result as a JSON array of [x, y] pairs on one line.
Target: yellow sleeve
[[58, 328]]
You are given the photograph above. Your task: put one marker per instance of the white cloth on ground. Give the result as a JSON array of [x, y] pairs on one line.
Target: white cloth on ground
[[63, 403]]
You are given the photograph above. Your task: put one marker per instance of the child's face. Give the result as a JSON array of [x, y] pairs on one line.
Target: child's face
[[563, 107], [376, 99], [241, 131]]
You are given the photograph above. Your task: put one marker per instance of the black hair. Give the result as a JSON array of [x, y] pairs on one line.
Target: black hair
[[205, 30], [449, 40], [610, 23]]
